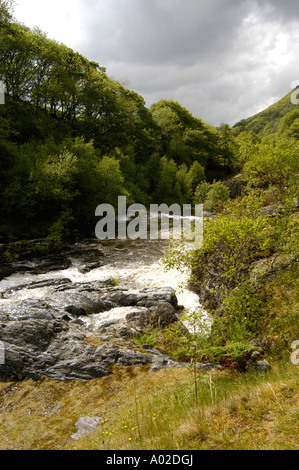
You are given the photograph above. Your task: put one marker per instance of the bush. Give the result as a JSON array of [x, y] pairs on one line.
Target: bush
[[212, 196], [274, 164], [217, 195]]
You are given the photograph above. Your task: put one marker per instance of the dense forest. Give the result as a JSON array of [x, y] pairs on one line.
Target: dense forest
[[73, 138]]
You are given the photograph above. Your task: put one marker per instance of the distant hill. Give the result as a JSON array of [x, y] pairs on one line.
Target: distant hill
[[268, 121]]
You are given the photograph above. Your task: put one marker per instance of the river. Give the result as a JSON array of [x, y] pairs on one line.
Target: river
[[132, 265]]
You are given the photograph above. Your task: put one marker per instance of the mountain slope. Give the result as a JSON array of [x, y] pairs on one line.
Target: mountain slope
[[267, 121]]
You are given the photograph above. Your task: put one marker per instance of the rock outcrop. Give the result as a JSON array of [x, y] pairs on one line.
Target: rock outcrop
[[58, 349], [50, 337]]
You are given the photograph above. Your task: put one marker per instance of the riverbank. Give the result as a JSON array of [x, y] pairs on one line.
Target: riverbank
[[140, 411]]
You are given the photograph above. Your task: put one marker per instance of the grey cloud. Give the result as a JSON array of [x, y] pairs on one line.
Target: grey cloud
[[159, 31], [216, 57], [285, 10]]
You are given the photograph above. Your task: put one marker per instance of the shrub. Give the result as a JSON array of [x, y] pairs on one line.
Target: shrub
[[217, 195], [212, 196]]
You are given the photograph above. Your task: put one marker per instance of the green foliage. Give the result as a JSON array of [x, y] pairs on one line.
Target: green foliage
[[187, 139], [217, 195], [233, 268], [273, 164], [212, 196], [197, 346], [148, 338], [233, 240], [59, 230], [196, 174]]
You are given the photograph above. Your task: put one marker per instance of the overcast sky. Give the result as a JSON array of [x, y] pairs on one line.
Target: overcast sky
[[224, 60]]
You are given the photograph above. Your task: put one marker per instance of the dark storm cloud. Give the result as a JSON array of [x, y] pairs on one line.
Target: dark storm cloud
[[159, 31], [222, 59]]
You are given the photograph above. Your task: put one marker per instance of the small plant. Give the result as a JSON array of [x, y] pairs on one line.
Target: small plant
[[10, 257], [147, 337]]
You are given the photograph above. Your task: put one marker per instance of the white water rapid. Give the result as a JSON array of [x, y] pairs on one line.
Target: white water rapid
[[132, 265]]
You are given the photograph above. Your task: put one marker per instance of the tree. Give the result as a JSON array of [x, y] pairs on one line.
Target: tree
[[183, 185], [6, 10], [196, 174], [111, 181], [228, 145], [16, 67], [165, 191], [217, 195]]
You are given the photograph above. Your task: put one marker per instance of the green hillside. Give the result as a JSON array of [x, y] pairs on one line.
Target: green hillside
[[269, 120]]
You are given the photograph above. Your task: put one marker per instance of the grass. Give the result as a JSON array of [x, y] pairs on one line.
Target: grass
[[143, 410]]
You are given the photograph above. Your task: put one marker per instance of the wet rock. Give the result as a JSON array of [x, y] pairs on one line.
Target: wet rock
[[158, 316], [56, 283], [149, 296], [124, 299], [52, 264], [58, 349], [26, 309], [5, 271], [39, 257], [76, 311], [91, 306], [161, 294], [88, 267]]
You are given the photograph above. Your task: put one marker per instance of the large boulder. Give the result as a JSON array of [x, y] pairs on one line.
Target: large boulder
[[160, 315], [57, 349], [144, 297]]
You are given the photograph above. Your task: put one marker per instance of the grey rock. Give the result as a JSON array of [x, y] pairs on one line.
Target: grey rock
[[58, 349], [76, 311], [144, 297], [160, 315], [92, 306], [257, 363], [161, 294], [124, 299], [85, 426], [258, 366], [272, 210]]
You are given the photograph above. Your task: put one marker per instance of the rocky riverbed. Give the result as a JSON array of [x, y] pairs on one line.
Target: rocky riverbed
[[55, 308]]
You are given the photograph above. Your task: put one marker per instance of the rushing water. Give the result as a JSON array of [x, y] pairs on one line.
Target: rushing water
[[134, 265]]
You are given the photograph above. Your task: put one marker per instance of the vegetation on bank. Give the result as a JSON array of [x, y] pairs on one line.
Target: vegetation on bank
[[246, 273]]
